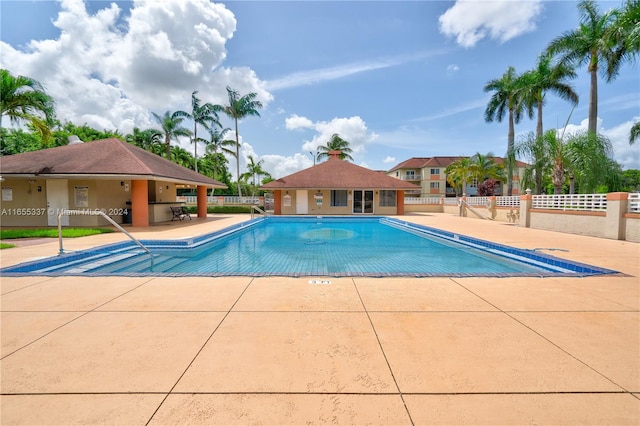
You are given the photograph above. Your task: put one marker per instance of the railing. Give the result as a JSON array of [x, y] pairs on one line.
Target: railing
[[215, 199], [633, 205], [477, 201], [256, 209], [93, 213], [508, 201], [422, 200], [582, 202], [451, 201]]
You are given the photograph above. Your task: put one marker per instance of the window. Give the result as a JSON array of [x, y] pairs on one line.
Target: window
[[410, 175], [435, 171], [339, 198], [434, 185], [387, 198]]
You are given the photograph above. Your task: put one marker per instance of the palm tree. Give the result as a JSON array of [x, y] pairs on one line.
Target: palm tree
[[182, 157], [508, 97], [534, 149], [206, 115], [625, 31], [238, 108], [459, 173], [335, 143], [171, 128], [253, 171], [591, 43], [149, 139], [217, 144], [23, 98], [485, 167], [590, 160], [547, 77], [634, 134]]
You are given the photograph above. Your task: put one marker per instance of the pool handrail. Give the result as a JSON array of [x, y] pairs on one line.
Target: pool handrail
[[93, 213], [259, 210]]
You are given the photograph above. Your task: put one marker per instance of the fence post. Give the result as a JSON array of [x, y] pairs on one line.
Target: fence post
[[616, 208], [525, 209]]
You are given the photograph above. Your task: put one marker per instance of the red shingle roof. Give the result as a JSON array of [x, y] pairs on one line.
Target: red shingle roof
[[420, 162], [106, 157], [338, 174]]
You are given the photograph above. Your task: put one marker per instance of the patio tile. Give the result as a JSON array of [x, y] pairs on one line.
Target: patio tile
[[297, 294], [609, 342], [477, 352], [278, 409], [550, 294], [10, 284], [22, 328], [110, 352], [510, 409], [64, 410], [181, 294], [69, 293], [418, 294], [290, 352], [622, 290]]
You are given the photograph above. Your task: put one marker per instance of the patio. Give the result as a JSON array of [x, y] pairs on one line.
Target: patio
[[393, 351]]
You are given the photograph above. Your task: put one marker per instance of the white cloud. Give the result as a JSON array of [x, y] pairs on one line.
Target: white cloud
[[109, 70], [296, 122], [352, 129], [471, 21], [279, 165], [453, 68], [389, 160]]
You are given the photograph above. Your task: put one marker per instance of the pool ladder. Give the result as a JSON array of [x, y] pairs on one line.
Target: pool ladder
[[256, 209], [93, 213]]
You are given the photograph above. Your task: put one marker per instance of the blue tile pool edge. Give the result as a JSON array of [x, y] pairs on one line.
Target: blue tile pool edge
[[570, 268]]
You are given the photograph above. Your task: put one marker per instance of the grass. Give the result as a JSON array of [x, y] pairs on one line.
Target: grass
[[6, 234], [6, 246]]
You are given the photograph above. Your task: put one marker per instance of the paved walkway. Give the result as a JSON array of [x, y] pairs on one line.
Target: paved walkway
[[136, 351]]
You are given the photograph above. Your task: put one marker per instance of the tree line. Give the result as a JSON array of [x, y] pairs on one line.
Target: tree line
[[602, 42]]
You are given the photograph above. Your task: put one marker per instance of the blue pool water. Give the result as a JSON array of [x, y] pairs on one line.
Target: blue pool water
[[309, 246]]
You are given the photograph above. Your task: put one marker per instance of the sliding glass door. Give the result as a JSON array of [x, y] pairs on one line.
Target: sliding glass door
[[362, 202]]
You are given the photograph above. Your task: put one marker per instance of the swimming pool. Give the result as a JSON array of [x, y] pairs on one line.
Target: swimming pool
[[311, 246]]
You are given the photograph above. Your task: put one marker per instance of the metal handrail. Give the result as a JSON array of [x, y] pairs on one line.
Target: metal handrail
[[93, 213], [258, 209]]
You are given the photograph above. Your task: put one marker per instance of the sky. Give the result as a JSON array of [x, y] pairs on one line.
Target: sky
[[396, 79]]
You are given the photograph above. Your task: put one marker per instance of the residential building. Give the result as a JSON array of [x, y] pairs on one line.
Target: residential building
[[429, 173]]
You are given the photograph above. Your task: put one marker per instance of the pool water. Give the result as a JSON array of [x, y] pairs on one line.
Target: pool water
[[308, 246]]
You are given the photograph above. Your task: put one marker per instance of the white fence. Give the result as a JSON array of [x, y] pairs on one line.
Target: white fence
[[584, 202], [508, 201], [634, 203], [422, 200]]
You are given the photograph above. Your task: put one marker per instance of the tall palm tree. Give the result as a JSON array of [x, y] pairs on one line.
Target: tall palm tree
[[218, 144], [508, 99], [203, 114], [591, 43], [625, 31], [253, 171], [634, 134], [24, 99], [546, 77], [335, 143], [171, 128], [485, 167], [238, 108]]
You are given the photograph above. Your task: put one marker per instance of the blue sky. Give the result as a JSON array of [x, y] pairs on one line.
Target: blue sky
[[396, 79]]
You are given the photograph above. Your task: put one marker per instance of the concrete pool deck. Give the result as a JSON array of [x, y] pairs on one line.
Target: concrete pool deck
[[242, 350]]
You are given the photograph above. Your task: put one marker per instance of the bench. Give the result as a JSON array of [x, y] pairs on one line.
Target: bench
[[179, 213]]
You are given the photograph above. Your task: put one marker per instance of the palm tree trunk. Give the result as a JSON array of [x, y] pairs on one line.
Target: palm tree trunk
[[238, 159], [539, 128], [195, 142], [167, 142], [510, 146], [593, 98]]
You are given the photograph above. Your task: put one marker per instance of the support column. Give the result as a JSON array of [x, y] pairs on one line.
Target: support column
[[616, 208], [400, 202], [277, 202], [201, 201], [140, 203], [525, 210]]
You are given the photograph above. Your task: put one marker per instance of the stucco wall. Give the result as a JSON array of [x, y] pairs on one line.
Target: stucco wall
[[313, 208], [583, 223], [632, 227], [28, 204]]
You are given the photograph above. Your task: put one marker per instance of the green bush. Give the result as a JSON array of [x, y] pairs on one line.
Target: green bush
[[222, 209]]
